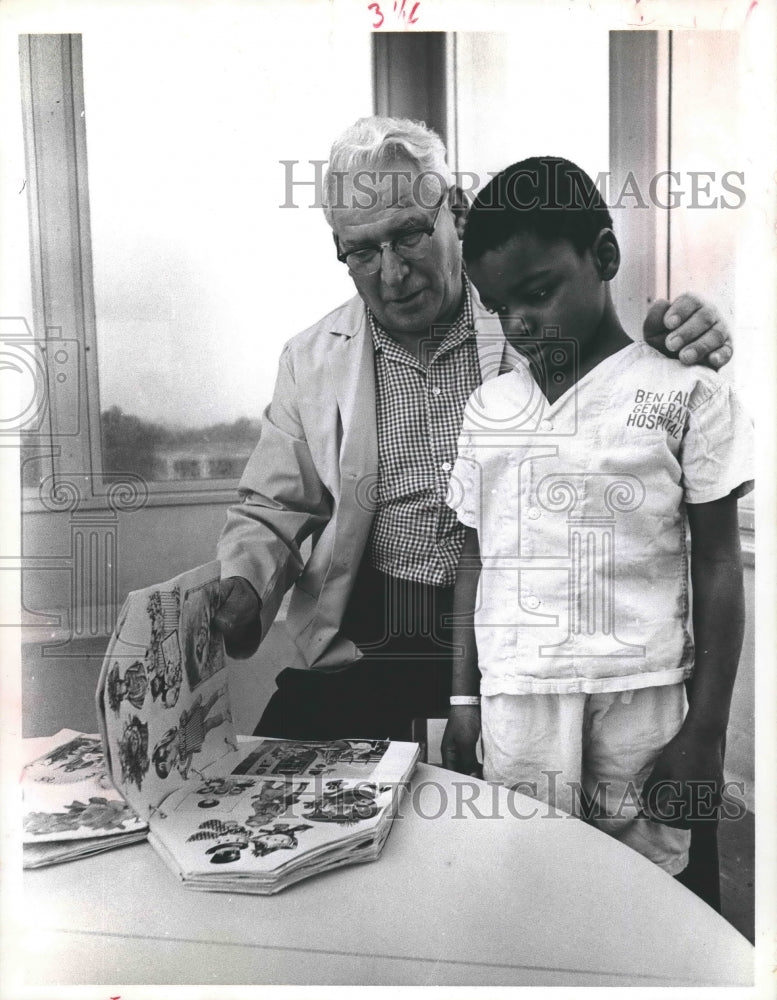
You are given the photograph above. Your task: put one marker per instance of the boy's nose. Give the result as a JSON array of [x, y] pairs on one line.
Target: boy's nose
[[515, 325]]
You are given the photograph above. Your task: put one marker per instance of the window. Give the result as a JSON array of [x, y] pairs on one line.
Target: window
[[191, 245], [512, 103], [694, 197]]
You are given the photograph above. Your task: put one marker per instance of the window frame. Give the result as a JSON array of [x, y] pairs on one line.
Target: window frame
[[641, 106], [54, 121]]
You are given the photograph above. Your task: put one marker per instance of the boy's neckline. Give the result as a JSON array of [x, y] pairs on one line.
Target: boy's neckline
[[554, 399]]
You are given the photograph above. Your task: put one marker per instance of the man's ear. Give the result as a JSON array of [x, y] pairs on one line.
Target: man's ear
[[459, 205], [607, 254]]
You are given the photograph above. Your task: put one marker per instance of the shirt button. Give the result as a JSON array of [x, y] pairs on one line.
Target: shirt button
[[446, 466], [436, 390], [532, 602], [546, 425], [533, 513]]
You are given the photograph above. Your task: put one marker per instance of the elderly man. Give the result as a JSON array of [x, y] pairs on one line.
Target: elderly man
[[357, 445]]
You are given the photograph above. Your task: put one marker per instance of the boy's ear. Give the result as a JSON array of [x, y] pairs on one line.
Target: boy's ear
[[459, 205], [607, 254]]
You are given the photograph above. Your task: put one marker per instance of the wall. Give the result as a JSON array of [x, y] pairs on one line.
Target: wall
[[153, 544]]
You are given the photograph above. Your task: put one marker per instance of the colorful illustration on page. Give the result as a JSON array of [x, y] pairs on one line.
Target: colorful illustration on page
[[224, 794], [225, 787], [131, 686], [99, 815], [133, 751], [231, 839], [183, 742], [203, 649], [345, 803], [80, 759], [274, 799], [279, 757], [164, 651]]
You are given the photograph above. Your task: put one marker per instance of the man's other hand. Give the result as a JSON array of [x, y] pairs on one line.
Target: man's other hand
[[237, 617], [691, 327]]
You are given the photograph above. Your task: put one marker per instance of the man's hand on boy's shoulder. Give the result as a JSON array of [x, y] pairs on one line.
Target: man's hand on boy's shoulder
[[460, 739], [690, 326], [686, 782]]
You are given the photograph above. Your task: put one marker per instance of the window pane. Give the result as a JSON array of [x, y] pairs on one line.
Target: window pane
[[200, 275], [705, 106], [713, 250], [501, 118]]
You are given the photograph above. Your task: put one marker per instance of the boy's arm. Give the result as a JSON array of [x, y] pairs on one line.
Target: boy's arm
[[463, 728], [696, 753]]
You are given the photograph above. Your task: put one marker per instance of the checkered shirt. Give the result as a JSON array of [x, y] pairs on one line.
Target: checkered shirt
[[415, 535]]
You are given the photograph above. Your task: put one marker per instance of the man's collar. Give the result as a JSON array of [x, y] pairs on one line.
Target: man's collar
[[347, 320]]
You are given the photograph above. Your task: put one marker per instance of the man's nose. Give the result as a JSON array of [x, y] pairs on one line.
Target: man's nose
[[393, 268]]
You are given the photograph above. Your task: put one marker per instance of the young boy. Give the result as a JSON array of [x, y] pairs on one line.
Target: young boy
[[578, 474]]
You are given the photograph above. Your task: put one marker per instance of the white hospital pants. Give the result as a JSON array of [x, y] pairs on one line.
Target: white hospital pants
[[589, 755]]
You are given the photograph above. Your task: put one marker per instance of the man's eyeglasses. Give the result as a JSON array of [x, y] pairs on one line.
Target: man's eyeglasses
[[410, 245]]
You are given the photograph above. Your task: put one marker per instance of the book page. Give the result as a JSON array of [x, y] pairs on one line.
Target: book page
[[276, 804], [162, 696], [68, 794]]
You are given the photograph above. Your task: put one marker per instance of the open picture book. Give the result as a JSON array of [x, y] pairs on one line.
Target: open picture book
[[70, 808], [226, 813]]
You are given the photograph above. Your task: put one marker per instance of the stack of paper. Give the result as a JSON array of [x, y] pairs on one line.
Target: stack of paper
[[70, 807]]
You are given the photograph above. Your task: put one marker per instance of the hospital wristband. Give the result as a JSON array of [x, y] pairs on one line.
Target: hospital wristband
[[465, 699]]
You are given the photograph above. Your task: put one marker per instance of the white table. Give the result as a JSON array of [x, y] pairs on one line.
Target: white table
[[454, 900]]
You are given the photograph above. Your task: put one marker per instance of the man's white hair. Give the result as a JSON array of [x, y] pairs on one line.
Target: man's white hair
[[378, 143]]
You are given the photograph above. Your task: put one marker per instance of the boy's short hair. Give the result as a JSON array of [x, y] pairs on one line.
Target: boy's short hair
[[548, 196]]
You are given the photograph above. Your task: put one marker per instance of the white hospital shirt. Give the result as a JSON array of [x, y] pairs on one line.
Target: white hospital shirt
[[579, 509]]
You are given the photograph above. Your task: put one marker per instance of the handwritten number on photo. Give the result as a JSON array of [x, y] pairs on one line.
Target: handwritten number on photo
[[400, 13]]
